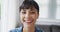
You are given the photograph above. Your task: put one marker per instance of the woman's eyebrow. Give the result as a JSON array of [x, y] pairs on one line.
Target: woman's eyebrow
[[33, 10], [24, 10]]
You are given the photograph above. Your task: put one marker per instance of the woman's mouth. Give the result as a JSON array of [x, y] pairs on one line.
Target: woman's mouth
[[28, 21]]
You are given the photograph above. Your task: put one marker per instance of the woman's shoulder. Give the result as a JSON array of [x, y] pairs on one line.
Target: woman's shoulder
[[16, 29], [20, 29]]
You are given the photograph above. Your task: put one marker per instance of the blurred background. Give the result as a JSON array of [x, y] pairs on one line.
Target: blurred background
[[49, 14]]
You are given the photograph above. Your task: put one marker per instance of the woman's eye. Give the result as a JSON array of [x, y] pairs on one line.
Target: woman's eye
[[23, 12], [32, 12]]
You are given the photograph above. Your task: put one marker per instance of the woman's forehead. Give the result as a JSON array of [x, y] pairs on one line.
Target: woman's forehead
[[28, 9]]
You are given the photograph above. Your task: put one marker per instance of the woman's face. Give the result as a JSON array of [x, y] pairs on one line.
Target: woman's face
[[28, 16]]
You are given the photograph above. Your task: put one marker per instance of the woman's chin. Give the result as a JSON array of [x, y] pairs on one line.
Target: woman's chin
[[28, 24]]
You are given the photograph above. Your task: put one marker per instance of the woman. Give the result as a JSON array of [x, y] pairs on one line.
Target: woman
[[29, 13]]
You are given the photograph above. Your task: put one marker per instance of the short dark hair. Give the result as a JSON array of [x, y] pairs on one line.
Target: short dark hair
[[29, 4]]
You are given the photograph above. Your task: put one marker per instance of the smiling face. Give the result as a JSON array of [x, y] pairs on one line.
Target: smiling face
[[28, 16]]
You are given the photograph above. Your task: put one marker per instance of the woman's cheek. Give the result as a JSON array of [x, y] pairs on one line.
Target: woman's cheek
[[34, 17], [21, 17]]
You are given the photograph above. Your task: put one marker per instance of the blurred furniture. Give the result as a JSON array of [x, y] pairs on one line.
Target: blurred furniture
[[49, 28]]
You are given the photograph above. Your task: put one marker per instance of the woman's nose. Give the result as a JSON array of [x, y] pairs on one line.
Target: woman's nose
[[27, 15]]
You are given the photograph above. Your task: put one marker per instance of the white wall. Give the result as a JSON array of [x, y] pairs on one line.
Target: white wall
[[9, 14]]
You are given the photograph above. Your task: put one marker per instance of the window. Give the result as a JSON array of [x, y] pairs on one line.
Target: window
[[49, 8], [49, 11], [43, 4], [58, 10]]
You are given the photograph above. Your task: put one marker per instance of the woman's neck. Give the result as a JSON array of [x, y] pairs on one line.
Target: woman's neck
[[29, 29]]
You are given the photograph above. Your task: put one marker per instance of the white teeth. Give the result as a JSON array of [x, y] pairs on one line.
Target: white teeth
[[28, 21]]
